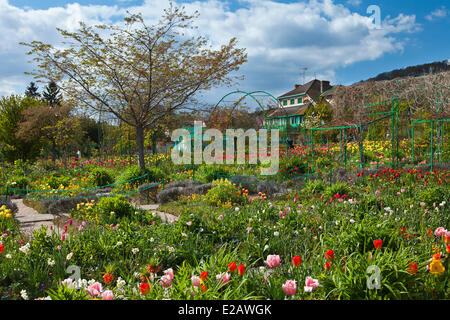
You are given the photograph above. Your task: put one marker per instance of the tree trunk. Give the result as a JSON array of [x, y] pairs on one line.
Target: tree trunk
[[140, 147]]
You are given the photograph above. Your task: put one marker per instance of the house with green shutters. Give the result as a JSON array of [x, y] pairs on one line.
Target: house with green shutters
[[293, 104]]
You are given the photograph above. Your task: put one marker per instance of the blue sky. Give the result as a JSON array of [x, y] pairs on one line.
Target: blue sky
[[336, 40]]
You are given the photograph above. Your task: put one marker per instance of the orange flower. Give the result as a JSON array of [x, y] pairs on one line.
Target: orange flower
[[2, 248], [203, 288], [447, 239], [327, 266], [436, 256], [448, 249]]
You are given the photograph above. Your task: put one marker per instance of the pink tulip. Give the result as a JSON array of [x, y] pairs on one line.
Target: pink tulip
[[169, 273], [166, 281], [290, 287], [311, 284], [95, 289], [108, 295], [223, 277], [196, 281], [440, 232], [272, 261]]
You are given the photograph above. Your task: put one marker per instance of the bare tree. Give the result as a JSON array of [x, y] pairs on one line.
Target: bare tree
[[141, 74]]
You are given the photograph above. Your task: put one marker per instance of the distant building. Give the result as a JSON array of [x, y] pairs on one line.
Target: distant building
[[294, 104]]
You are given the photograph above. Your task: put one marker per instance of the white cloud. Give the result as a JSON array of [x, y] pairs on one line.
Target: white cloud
[[279, 37], [437, 14]]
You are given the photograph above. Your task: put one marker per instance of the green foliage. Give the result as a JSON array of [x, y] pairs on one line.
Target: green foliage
[[14, 148], [434, 195], [101, 177], [131, 174], [63, 292], [338, 188], [223, 191], [114, 207], [315, 186]]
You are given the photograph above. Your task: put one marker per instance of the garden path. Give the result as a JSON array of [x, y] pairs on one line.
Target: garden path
[[165, 217], [31, 220]]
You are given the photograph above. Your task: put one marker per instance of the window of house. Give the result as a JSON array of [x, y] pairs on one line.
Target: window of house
[[292, 101], [300, 100], [285, 102]]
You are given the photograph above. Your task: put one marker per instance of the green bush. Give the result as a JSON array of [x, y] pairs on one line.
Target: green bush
[[223, 191], [101, 177], [114, 207], [131, 174]]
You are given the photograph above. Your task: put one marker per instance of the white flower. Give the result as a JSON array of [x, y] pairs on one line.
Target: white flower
[[69, 256], [276, 233], [135, 250], [8, 256], [151, 239], [50, 262], [236, 209], [25, 249], [352, 221], [24, 294], [119, 243], [120, 283]]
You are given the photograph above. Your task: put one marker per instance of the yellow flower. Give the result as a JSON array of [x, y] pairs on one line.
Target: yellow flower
[[436, 267]]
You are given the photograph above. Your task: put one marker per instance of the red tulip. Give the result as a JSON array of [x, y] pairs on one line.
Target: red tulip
[[232, 266], [241, 269], [297, 261], [145, 288], [329, 254], [378, 244]]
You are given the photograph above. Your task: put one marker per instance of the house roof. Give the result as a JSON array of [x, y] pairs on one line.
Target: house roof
[[288, 111], [313, 89]]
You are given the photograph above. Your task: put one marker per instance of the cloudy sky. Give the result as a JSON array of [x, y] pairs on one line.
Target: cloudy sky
[[337, 40]]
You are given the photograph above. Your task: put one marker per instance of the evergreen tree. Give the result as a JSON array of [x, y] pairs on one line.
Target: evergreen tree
[[52, 94], [32, 91]]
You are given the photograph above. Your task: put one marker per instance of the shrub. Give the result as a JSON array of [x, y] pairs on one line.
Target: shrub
[[223, 191], [132, 173], [119, 205], [101, 177]]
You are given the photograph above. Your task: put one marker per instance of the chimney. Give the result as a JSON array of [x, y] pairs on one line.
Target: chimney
[[324, 85]]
